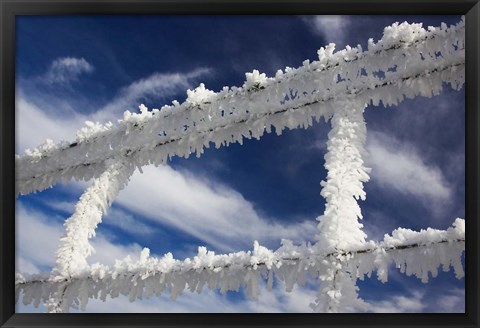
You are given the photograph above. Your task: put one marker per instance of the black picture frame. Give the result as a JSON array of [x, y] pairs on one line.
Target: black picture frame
[[12, 8]]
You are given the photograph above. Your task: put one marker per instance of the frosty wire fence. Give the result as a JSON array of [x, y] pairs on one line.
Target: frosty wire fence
[[407, 62]]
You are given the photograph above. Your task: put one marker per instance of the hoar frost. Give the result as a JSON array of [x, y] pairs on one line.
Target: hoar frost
[[293, 98], [412, 62], [337, 272]]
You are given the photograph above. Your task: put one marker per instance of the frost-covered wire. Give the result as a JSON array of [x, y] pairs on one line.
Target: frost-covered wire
[[427, 250], [408, 61], [413, 62], [74, 247], [339, 228]]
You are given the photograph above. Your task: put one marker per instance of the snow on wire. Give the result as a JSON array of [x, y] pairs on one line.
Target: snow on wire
[[412, 60], [416, 253], [408, 61]]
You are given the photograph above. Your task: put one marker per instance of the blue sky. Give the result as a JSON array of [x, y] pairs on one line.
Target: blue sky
[[72, 69]]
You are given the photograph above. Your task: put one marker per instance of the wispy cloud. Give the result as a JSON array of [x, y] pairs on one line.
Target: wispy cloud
[[115, 217], [156, 86], [124, 221], [207, 210], [400, 304], [107, 251], [452, 302], [66, 70], [333, 28], [377, 224], [279, 301], [37, 231], [34, 125], [398, 166]]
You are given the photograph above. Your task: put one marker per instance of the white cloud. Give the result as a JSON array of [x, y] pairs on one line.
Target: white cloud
[[115, 217], [280, 301], [66, 69], [157, 85], [63, 206], [209, 211], [453, 302], [399, 304], [38, 238], [398, 166], [34, 126], [24, 265], [106, 251], [333, 28], [127, 222]]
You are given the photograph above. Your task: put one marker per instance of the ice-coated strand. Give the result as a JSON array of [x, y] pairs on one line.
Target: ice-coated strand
[[408, 61], [414, 253], [339, 228], [338, 292], [74, 246]]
